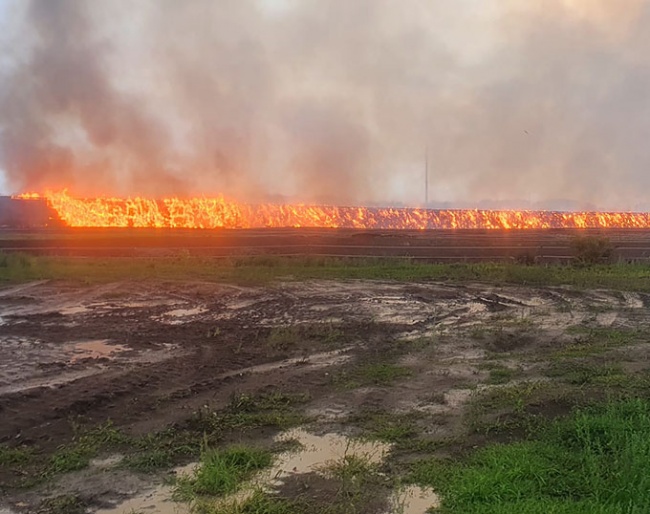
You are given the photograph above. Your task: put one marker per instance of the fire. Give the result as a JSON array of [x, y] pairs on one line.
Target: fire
[[219, 212]]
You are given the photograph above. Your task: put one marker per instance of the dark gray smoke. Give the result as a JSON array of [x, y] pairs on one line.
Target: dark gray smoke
[[520, 103]]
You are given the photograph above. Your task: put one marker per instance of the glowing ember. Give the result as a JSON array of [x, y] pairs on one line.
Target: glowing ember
[[209, 213]]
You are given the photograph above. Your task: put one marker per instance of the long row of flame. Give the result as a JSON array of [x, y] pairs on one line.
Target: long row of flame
[[211, 213]]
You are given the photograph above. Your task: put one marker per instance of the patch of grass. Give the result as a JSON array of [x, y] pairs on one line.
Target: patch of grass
[[358, 479], [85, 446], [598, 340], [385, 426], [247, 412], [283, 338], [595, 461], [259, 503], [15, 456], [499, 374], [377, 374], [150, 461], [634, 277], [66, 504], [223, 472]]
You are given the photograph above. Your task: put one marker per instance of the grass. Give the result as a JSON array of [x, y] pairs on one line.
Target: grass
[[377, 374], [15, 456], [83, 448], [66, 504], [260, 270], [385, 426], [258, 503], [223, 472], [595, 461], [287, 337]]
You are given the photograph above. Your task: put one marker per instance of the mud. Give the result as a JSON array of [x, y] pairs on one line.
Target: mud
[[148, 355]]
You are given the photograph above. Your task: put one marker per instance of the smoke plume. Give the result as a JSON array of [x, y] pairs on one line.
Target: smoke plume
[[519, 103]]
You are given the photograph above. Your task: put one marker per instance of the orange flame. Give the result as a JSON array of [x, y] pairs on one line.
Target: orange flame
[[219, 212]]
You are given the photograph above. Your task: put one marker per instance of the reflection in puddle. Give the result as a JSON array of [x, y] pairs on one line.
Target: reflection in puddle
[[100, 349], [414, 500]]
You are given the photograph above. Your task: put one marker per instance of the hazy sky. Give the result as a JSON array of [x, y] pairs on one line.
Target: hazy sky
[[520, 102]]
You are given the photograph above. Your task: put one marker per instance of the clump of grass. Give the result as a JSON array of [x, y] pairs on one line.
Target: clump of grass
[[247, 412], [223, 472], [283, 338], [500, 375], [258, 503], [595, 461], [84, 447], [384, 426], [378, 374], [150, 461], [15, 456], [66, 504]]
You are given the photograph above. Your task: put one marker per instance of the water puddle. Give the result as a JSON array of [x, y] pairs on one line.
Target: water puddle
[[317, 452], [154, 501], [414, 500], [180, 316], [100, 349]]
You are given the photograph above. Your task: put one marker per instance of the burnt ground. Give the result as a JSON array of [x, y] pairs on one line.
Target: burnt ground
[[433, 369]]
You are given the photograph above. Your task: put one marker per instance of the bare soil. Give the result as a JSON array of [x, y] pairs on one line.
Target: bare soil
[[147, 356]]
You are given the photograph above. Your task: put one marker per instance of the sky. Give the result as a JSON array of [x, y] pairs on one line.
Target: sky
[[516, 103]]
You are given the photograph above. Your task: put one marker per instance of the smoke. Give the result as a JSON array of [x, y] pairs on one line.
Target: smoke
[[519, 103]]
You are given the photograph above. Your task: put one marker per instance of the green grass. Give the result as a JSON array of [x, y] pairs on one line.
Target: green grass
[[83, 448], [247, 412], [223, 472], [259, 270], [15, 456], [595, 461]]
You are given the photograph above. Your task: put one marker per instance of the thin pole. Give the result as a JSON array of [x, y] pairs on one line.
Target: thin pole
[[426, 178]]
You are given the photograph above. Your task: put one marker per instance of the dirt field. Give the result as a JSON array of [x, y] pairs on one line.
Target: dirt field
[[105, 390], [541, 246]]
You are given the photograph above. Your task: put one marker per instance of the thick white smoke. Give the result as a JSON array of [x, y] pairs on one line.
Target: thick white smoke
[[520, 103]]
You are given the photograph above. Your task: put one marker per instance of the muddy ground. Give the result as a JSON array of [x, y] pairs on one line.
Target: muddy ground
[[424, 368]]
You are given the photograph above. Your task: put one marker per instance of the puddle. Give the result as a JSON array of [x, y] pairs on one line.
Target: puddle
[[320, 451], [414, 500], [100, 349], [154, 501], [180, 316], [182, 313]]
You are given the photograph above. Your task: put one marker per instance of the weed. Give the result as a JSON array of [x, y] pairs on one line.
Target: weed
[[380, 374], [283, 338], [634, 277], [596, 461], [66, 504], [500, 374], [223, 472], [15, 456], [259, 503], [247, 412], [150, 461]]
